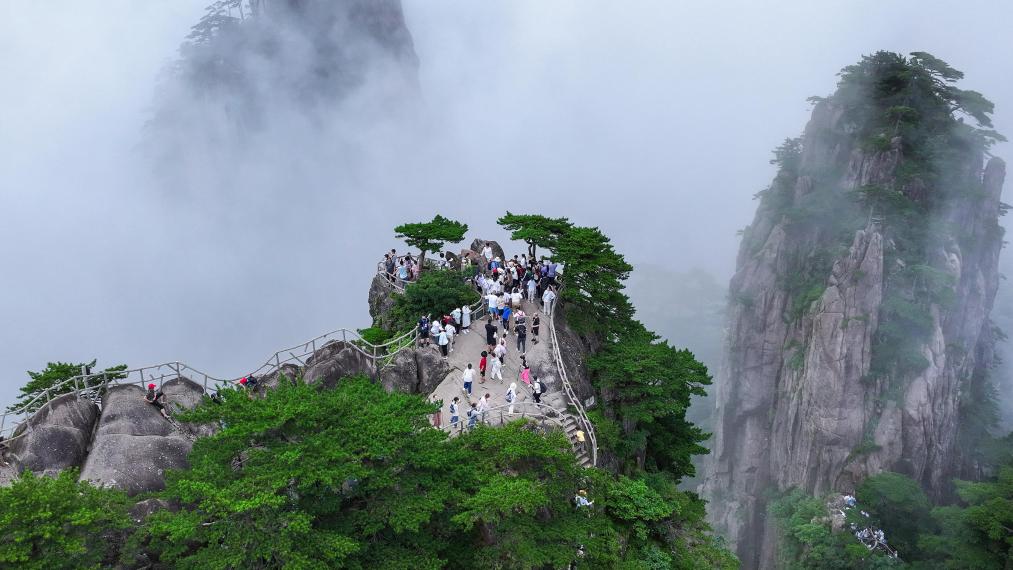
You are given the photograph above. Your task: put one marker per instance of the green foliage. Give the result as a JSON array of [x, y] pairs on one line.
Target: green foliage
[[431, 236], [54, 523], [535, 230], [649, 386], [808, 542], [897, 505], [353, 477], [55, 373], [595, 272], [376, 335], [436, 293]]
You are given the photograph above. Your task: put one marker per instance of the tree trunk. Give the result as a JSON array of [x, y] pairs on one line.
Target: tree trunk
[[422, 261]]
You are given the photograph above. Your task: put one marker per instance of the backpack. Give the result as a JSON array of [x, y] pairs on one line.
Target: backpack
[[509, 397]]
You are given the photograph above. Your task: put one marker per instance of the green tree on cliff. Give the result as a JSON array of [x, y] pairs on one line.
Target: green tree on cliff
[[54, 374], [535, 230], [431, 236]]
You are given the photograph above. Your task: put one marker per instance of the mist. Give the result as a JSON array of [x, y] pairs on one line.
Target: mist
[[653, 121]]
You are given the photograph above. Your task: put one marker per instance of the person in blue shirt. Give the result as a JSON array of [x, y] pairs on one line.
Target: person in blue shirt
[[506, 319]]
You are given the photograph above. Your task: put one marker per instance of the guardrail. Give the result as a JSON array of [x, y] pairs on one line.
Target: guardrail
[[94, 385], [568, 388], [522, 410]]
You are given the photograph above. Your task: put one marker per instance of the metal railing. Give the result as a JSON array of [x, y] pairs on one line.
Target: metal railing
[[568, 388], [522, 410], [92, 386]]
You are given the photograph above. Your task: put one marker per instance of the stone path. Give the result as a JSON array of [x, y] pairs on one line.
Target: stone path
[[468, 349]]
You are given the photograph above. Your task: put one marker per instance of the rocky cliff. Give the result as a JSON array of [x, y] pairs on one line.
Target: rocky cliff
[[858, 319]]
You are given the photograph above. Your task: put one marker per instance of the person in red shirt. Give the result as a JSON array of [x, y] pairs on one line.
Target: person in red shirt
[[482, 365]]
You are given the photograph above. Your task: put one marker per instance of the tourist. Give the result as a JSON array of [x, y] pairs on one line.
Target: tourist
[[525, 374], [516, 297], [537, 389], [465, 318], [487, 252], [154, 398], [451, 331], [536, 321], [581, 499], [532, 285], [482, 365], [511, 397], [506, 319], [547, 298], [390, 266], [424, 330], [484, 404], [490, 333], [522, 336], [493, 300], [497, 369], [467, 378], [444, 341], [472, 416], [455, 418], [435, 329], [403, 274], [456, 316]]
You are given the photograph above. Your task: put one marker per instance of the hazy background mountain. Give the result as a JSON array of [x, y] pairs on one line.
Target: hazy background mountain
[[653, 121]]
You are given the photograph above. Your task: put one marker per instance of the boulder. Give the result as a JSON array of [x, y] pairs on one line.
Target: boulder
[[184, 394], [454, 260], [414, 371], [337, 360], [381, 301], [402, 374], [56, 437], [432, 369], [144, 509], [271, 380], [134, 444], [497, 250]]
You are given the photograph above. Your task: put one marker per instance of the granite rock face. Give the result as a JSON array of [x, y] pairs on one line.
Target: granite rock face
[[382, 295], [334, 361], [497, 249], [799, 403], [133, 444], [56, 437], [414, 371]]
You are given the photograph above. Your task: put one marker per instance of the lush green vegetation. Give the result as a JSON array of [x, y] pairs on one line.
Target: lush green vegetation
[[535, 230], [55, 523], [975, 532], [436, 293], [354, 477], [55, 373], [645, 384], [432, 235]]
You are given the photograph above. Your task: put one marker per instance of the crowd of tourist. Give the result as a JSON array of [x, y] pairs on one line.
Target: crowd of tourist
[[504, 286]]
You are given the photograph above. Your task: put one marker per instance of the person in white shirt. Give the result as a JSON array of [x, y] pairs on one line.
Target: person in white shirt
[[487, 252], [435, 329], [455, 413], [532, 286], [497, 368], [444, 341], [467, 378], [501, 348], [493, 300], [456, 315], [484, 404], [547, 298], [516, 297], [511, 397], [451, 331], [465, 318]]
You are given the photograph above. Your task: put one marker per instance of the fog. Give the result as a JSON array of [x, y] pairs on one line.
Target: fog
[[651, 120]]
